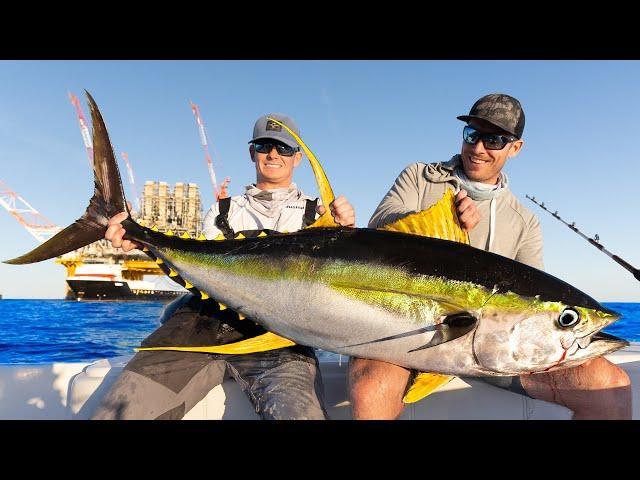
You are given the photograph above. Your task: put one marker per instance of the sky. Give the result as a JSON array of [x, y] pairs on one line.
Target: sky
[[364, 120]]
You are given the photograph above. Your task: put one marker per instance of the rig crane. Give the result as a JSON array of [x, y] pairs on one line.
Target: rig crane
[[40, 227], [131, 180], [217, 194], [84, 130]]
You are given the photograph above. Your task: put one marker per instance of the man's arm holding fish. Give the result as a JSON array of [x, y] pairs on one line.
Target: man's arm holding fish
[[341, 210], [115, 232], [405, 197], [402, 199]]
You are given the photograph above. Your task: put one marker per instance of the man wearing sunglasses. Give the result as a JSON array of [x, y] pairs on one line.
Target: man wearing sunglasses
[[496, 221], [282, 384]]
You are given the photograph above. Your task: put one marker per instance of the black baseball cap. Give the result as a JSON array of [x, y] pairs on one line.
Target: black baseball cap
[[501, 110]]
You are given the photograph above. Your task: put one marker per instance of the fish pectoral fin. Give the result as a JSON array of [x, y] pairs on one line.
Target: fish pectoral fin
[[261, 343], [438, 221], [452, 327], [425, 384]]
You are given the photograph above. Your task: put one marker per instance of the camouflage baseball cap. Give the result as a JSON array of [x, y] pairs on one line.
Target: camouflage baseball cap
[[500, 110], [266, 129]]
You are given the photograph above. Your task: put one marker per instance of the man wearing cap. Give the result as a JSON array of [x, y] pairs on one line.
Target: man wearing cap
[[281, 384], [497, 222]]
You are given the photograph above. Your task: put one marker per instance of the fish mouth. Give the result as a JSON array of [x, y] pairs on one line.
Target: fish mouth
[[610, 343], [593, 345]]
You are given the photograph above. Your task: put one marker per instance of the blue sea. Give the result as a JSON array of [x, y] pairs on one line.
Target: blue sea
[[45, 331]]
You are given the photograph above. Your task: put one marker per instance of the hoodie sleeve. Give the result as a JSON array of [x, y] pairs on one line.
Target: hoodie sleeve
[[402, 199], [530, 249], [209, 223]]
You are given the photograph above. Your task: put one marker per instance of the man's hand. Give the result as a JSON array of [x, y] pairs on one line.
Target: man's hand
[[115, 232], [341, 210], [468, 213]]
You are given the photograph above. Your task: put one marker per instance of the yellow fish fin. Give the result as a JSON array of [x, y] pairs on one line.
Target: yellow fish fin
[[425, 384], [438, 221], [326, 192], [261, 343]]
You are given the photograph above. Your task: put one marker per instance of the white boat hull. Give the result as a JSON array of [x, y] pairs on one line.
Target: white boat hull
[[73, 390]]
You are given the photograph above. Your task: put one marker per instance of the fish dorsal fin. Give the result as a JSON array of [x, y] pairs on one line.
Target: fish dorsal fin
[[324, 187], [261, 343], [425, 384], [438, 221]]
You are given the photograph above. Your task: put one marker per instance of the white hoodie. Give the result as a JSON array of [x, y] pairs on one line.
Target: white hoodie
[[280, 209]]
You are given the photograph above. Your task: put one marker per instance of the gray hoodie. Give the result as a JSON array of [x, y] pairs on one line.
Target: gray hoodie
[[516, 230]]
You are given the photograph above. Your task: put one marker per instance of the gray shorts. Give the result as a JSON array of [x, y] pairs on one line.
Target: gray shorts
[[281, 384]]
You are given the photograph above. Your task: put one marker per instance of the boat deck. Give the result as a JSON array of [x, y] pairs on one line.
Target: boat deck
[[73, 390]]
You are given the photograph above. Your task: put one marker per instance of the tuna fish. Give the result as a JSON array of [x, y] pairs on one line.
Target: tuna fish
[[431, 304]]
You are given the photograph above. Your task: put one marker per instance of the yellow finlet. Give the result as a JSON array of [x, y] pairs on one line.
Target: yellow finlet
[[155, 228], [219, 237], [141, 223], [438, 221], [145, 249], [326, 192], [173, 273], [187, 285], [262, 234], [159, 261], [239, 237], [169, 233], [424, 384], [261, 343], [222, 306], [201, 237], [204, 296], [241, 316], [185, 235]]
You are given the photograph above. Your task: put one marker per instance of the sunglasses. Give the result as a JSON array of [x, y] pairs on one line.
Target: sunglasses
[[281, 148], [491, 141]]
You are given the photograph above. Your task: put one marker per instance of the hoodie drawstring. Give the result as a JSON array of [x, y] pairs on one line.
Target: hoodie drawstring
[[492, 222]]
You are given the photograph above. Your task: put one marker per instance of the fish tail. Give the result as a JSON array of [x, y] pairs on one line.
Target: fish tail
[[108, 200]]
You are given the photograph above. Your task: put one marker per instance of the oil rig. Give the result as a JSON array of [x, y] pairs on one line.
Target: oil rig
[[101, 272]]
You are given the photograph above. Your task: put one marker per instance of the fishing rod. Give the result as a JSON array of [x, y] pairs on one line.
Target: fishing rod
[[595, 241]]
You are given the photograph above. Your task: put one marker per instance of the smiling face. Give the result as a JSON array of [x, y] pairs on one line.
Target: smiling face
[[274, 170], [481, 164]]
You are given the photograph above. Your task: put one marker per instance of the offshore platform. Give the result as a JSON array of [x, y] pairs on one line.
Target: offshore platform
[[101, 272]]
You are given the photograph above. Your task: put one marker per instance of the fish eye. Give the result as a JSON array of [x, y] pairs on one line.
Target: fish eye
[[568, 318]]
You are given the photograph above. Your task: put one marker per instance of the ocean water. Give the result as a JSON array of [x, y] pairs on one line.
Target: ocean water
[[45, 331]]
